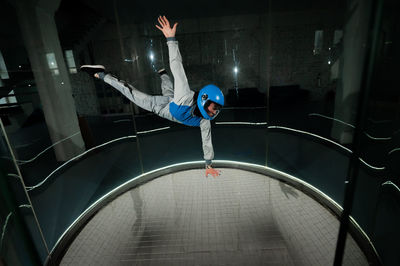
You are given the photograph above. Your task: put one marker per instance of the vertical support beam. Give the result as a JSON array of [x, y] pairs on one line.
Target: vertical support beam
[[373, 26], [352, 61], [51, 75]]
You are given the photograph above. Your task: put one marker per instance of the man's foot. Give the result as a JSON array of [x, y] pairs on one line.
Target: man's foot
[[162, 71], [93, 69]]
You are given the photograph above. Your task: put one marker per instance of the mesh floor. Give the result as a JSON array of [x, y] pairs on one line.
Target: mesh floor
[[239, 218]]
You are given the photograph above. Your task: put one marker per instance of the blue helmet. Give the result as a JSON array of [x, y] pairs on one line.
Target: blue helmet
[[208, 94]]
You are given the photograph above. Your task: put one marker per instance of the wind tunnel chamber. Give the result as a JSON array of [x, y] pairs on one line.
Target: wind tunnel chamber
[[308, 141], [243, 217]]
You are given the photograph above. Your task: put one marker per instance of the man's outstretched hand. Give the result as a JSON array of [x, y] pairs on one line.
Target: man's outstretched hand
[[165, 27], [212, 171]]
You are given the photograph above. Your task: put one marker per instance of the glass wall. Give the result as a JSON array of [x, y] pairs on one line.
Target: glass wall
[[376, 205], [291, 73]]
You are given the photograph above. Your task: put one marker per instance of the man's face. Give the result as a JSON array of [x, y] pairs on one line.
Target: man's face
[[212, 109]]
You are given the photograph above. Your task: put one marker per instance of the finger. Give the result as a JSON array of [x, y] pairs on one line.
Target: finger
[[166, 21], [160, 21], [163, 21], [176, 24], [158, 27]]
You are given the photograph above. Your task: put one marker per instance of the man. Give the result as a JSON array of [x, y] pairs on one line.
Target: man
[[178, 103]]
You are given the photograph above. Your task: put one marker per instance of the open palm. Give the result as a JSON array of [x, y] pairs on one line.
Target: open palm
[[165, 27]]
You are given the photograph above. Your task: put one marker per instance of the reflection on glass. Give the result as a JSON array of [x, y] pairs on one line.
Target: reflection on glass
[[318, 41], [9, 99], [19, 227], [376, 205], [69, 57], [51, 61], [3, 68]]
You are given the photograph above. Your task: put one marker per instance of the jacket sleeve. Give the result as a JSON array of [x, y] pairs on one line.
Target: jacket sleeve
[[181, 85], [205, 128]]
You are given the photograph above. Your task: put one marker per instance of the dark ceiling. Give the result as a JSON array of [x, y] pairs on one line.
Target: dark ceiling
[[73, 16]]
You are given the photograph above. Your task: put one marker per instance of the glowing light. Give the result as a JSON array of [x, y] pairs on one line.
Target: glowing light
[[328, 140], [242, 123], [62, 83], [329, 62], [236, 70], [20, 66], [151, 56], [20, 162]]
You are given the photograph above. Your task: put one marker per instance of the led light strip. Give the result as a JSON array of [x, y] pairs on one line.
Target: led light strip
[[371, 166], [122, 120], [377, 138], [6, 223], [152, 130], [82, 154], [242, 123], [14, 175], [369, 136], [331, 118], [311, 134], [240, 108], [75, 158], [328, 140], [21, 162], [379, 121], [392, 184], [26, 144], [4, 230], [394, 150]]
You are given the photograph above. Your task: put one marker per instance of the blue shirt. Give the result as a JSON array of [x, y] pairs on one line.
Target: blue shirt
[[184, 114]]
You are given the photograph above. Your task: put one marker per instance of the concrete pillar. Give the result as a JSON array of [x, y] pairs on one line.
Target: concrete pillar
[[36, 19], [351, 66]]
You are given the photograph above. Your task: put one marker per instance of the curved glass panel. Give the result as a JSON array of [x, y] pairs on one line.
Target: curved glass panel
[[292, 74], [19, 230], [376, 205], [59, 120]]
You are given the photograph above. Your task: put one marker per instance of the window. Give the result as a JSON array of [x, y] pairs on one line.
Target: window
[[9, 99], [318, 41], [69, 57], [337, 37], [3, 69], [51, 61]]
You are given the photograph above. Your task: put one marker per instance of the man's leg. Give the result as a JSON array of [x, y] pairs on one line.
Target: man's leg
[[167, 87], [143, 100], [156, 104]]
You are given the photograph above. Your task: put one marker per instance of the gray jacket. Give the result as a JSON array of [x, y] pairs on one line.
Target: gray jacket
[[183, 104]]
